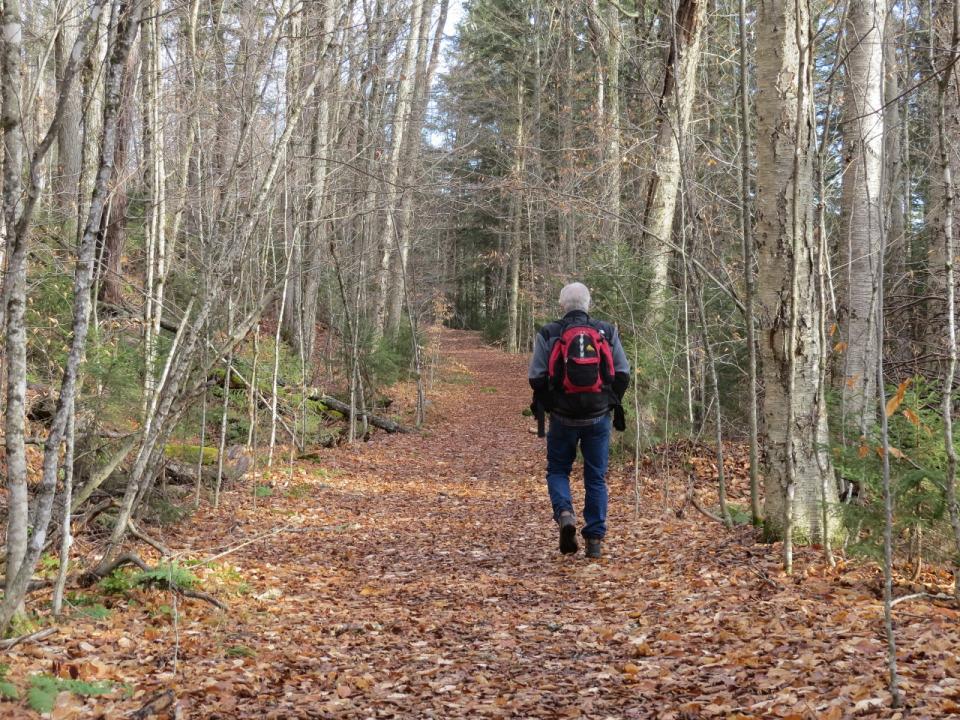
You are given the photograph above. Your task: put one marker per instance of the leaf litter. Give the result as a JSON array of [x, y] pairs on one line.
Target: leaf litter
[[417, 576]]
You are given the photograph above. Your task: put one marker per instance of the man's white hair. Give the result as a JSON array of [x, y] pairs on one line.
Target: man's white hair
[[575, 296]]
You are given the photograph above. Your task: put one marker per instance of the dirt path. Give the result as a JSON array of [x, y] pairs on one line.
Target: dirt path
[[421, 579]]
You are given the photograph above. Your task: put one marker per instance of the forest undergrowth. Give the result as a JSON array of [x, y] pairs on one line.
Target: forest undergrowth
[[417, 575]]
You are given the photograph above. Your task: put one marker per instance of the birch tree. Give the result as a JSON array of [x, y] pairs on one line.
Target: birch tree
[[862, 206], [677, 95], [795, 434], [392, 192]]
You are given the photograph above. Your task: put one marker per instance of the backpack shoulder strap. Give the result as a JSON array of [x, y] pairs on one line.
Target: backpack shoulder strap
[[604, 327], [552, 330]]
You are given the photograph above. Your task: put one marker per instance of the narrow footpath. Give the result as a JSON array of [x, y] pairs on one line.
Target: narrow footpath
[[417, 576]]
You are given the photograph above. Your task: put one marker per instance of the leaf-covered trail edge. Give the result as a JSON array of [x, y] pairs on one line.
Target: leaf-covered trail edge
[[418, 576]]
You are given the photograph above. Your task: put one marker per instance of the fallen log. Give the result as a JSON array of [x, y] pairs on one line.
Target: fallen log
[[377, 421]]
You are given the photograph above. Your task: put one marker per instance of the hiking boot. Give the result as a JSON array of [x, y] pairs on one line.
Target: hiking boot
[[594, 547], [568, 532]]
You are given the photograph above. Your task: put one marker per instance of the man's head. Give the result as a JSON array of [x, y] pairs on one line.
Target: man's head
[[575, 296]]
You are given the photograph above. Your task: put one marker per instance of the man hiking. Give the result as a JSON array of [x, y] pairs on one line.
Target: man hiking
[[579, 373]]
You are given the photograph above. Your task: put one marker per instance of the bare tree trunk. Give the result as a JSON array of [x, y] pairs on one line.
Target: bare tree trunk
[[935, 320], [69, 142], [408, 168], [605, 28], [401, 119], [14, 296], [862, 207], [155, 175], [896, 193], [746, 228], [516, 222], [567, 217], [947, 76], [426, 68], [113, 230], [795, 424], [675, 107], [66, 536]]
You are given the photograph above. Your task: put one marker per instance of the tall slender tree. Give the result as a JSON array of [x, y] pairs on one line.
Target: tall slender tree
[[862, 206], [788, 304]]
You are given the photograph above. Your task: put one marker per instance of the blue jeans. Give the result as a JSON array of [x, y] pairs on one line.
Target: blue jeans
[[594, 443]]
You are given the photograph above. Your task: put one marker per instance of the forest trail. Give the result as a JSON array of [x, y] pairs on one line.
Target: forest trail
[[418, 576]]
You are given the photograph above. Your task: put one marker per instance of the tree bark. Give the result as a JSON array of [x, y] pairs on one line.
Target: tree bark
[[795, 434], [947, 142], [392, 191], [605, 26], [861, 208], [675, 107], [567, 216], [426, 69], [14, 296], [69, 140]]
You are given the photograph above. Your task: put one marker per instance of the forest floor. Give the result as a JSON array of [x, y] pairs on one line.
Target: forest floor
[[418, 576]]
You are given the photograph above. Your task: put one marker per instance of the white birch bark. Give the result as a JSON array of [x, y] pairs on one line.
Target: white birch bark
[[14, 295], [795, 434], [861, 207], [155, 180]]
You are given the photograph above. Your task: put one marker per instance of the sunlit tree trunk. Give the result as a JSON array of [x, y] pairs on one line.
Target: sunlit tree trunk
[[14, 294], [795, 434], [861, 207], [155, 179], [676, 104], [392, 193]]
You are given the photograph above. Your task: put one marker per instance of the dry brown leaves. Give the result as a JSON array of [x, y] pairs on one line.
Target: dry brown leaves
[[419, 577]]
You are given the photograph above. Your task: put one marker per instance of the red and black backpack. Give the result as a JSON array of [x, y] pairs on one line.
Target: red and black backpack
[[581, 360]]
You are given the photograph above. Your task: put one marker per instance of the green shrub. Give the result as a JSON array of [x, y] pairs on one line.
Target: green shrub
[[238, 429], [240, 651], [392, 359], [917, 473], [119, 582], [97, 611], [166, 575], [8, 691], [43, 691], [494, 329]]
